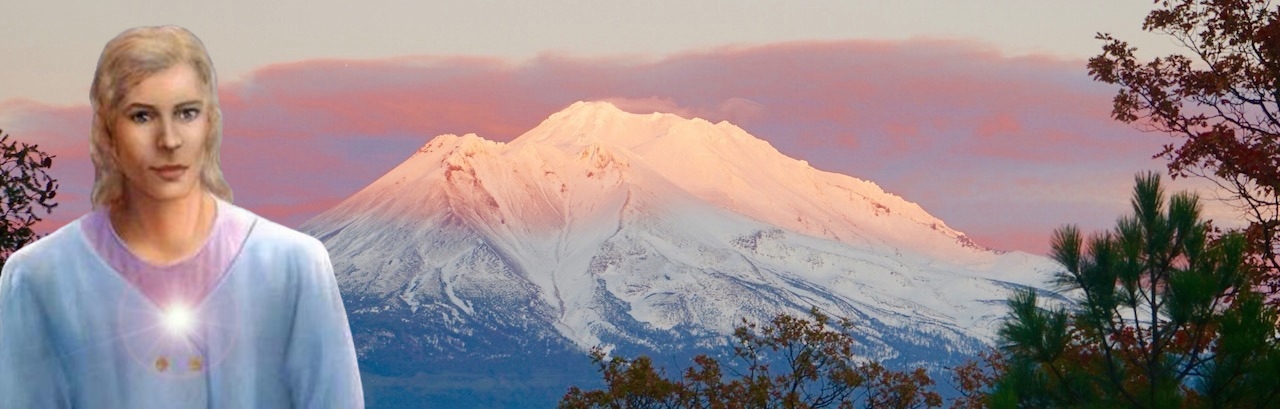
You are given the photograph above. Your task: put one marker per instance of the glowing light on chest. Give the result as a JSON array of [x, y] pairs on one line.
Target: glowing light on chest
[[178, 319]]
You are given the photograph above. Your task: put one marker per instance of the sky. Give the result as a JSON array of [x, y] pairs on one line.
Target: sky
[[981, 111]]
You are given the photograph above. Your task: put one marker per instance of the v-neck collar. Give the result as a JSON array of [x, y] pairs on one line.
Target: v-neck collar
[[188, 281]]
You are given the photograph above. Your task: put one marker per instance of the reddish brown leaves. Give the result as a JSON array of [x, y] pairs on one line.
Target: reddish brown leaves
[[1221, 100], [790, 363]]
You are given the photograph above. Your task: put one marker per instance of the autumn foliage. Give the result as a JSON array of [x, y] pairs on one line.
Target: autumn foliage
[[975, 379], [790, 362], [1221, 101], [27, 190]]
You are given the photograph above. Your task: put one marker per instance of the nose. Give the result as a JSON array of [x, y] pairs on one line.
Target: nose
[[169, 138]]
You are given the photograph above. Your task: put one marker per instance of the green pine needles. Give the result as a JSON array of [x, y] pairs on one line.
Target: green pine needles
[[1163, 317]]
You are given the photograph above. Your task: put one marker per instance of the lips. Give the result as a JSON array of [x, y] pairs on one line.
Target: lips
[[169, 172]]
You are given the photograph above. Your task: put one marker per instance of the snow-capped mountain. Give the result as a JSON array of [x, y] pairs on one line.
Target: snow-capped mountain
[[645, 233]]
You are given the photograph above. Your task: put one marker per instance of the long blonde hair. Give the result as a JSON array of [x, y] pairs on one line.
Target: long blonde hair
[[126, 61]]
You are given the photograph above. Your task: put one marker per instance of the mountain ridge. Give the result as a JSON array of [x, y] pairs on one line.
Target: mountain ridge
[[646, 234]]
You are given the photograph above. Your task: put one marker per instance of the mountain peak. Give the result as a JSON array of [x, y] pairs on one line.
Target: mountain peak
[[715, 163], [596, 120], [590, 109], [584, 122], [601, 227]]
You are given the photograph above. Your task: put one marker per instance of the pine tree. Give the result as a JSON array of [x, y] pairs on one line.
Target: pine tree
[[1164, 316], [1219, 98]]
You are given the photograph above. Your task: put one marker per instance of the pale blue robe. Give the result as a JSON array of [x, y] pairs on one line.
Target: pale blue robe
[[268, 331]]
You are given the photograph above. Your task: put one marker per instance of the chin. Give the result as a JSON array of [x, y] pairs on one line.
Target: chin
[[169, 193]]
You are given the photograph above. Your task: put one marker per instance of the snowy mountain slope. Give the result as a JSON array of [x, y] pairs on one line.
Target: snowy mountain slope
[[645, 233], [723, 165]]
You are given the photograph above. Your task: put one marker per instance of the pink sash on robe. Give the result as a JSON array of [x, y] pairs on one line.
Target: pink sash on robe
[[185, 282]]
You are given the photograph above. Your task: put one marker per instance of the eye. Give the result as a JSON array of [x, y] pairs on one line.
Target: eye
[[189, 114], [140, 117]]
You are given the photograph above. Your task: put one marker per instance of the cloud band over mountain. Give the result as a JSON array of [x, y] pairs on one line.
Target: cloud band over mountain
[[1003, 148]]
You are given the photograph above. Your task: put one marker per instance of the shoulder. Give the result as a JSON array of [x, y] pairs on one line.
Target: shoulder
[[288, 260], [45, 252], [280, 244], [277, 237], [38, 261]]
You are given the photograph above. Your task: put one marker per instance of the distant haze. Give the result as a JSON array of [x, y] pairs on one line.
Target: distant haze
[[979, 111], [52, 46]]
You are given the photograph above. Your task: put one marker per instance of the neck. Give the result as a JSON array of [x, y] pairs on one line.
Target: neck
[[161, 232]]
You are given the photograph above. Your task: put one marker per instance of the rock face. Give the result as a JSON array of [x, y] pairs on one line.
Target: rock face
[[647, 234]]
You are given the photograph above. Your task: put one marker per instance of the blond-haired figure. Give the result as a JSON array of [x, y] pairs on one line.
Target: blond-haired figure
[[166, 295]]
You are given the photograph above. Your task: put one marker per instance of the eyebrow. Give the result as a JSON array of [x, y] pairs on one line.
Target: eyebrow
[[153, 108]]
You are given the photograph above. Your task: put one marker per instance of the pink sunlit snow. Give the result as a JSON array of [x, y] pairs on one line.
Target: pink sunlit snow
[[682, 221]]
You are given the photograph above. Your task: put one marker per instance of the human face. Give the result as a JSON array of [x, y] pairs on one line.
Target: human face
[[159, 136]]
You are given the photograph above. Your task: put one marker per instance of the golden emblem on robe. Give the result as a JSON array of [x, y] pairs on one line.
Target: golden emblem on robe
[[162, 364], [195, 364]]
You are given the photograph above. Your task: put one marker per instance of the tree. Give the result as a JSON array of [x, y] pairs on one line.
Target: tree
[[27, 189], [1222, 101], [975, 379], [1164, 316], [815, 369]]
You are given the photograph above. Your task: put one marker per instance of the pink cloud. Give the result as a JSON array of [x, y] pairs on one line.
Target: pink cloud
[[58, 130], [930, 120], [1001, 125]]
